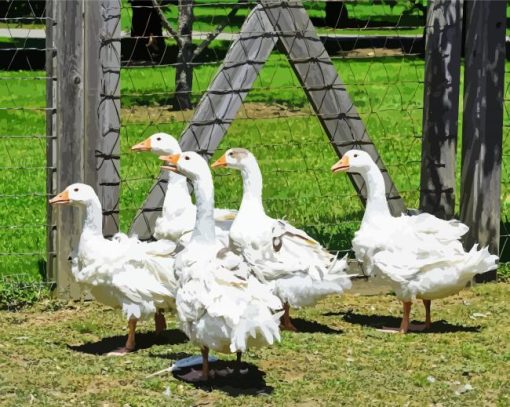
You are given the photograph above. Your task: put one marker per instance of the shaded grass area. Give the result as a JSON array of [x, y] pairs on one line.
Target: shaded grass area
[[53, 356], [208, 14]]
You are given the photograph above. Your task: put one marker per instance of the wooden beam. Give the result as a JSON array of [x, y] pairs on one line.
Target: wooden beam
[[102, 107], [483, 124], [68, 34], [440, 107], [325, 90], [218, 107]]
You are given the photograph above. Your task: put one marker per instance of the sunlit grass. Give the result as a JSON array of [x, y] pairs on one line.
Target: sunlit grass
[[340, 359]]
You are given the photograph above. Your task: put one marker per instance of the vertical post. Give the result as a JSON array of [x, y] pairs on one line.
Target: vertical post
[[51, 143], [68, 34], [184, 69], [483, 124], [102, 106], [440, 107]]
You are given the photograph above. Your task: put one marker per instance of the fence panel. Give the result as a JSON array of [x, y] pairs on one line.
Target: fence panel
[[378, 52], [376, 47]]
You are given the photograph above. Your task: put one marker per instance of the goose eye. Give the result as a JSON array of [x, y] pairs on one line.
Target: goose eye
[[355, 155], [75, 189], [159, 139], [231, 154], [186, 157]]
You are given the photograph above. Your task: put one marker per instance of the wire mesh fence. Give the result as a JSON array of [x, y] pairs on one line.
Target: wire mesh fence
[[377, 50], [375, 46], [22, 146]]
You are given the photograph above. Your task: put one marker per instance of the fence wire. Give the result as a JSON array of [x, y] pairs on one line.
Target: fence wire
[[377, 49], [22, 151]]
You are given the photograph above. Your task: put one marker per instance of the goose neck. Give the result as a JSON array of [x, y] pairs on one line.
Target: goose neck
[[177, 196], [93, 222], [204, 193], [252, 187], [377, 204]]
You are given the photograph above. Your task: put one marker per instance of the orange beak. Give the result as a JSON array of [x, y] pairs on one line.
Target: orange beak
[[342, 165], [171, 160], [143, 146], [220, 162], [60, 199]]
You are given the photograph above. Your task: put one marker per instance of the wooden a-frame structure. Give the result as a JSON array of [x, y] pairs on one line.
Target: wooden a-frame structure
[[269, 23]]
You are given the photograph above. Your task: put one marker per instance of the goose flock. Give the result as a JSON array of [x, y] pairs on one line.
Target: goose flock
[[232, 276]]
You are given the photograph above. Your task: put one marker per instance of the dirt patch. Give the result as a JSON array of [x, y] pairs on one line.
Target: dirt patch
[[139, 114], [371, 53]]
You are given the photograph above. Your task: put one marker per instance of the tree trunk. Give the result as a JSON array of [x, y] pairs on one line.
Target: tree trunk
[[184, 70], [146, 30], [336, 14]]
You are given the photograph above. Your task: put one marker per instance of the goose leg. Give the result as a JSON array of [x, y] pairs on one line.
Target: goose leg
[[130, 343], [159, 319], [238, 362], [286, 323], [428, 321], [427, 324], [404, 326], [205, 363]]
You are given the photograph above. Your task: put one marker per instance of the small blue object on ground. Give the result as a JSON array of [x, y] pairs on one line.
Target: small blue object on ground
[[191, 361]]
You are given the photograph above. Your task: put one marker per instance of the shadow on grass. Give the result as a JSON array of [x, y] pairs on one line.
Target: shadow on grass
[[305, 326], [380, 321], [143, 341], [250, 381]]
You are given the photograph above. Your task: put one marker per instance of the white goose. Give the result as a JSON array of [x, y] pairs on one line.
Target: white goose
[[419, 256], [123, 272], [297, 267], [179, 213], [221, 306]]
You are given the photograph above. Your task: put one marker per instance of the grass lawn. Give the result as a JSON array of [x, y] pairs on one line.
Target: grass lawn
[[51, 356]]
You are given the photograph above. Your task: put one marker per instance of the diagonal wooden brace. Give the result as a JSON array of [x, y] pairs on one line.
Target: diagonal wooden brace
[[269, 22]]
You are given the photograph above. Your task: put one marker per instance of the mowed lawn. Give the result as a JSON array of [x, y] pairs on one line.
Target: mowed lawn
[[52, 356]]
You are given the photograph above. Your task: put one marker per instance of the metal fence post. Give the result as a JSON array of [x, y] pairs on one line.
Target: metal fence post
[[51, 142], [441, 107], [68, 34], [483, 124]]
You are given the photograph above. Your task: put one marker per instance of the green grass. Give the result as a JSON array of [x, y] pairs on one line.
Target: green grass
[[44, 360], [293, 151]]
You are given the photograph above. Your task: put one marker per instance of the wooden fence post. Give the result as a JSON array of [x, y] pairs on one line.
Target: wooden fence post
[[483, 124], [68, 35], [441, 107], [102, 106]]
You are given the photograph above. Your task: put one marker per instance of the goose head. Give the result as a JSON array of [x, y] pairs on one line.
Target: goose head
[[354, 161], [189, 164], [159, 143], [237, 158], [76, 194]]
